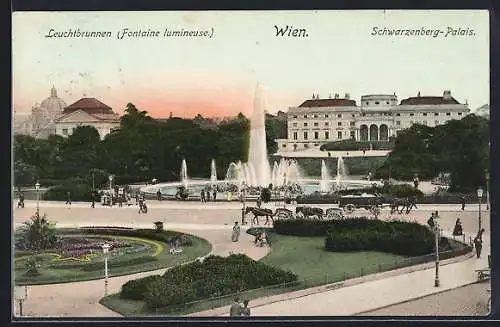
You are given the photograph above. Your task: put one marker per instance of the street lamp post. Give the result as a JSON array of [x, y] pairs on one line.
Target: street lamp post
[[105, 250], [93, 181], [479, 197], [110, 183], [436, 245], [37, 188]]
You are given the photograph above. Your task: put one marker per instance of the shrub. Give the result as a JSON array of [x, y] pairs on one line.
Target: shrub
[[79, 191], [265, 195], [396, 237], [352, 145], [136, 289], [215, 276]]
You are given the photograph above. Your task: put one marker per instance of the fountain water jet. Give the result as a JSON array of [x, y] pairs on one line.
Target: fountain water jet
[[341, 171], [213, 172], [184, 175], [324, 184], [258, 164]]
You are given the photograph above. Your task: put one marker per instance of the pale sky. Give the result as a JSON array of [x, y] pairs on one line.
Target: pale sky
[[217, 75]]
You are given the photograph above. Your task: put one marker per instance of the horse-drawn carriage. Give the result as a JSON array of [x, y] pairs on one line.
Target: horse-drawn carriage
[[370, 202], [299, 212]]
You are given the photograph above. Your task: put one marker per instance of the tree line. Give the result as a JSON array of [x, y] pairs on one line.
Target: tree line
[[141, 149]]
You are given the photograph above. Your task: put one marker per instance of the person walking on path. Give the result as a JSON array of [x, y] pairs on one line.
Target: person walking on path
[[202, 196], [215, 194], [235, 309], [430, 222], [245, 311], [68, 198], [158, 195], [92, 199], [478, 244], [208, 195], [236, 232], [462, 201], [20, 203], [259, 202]]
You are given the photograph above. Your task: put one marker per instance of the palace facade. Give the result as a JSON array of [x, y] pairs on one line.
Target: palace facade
[[377, 118]]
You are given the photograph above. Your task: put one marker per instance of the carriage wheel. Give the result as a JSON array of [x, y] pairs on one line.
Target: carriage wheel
[[350, 208]]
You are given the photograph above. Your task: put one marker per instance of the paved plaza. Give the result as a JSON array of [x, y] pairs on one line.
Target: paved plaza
[[213, 221]]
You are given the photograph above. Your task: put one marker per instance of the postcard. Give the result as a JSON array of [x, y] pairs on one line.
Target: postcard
[[251, 163]]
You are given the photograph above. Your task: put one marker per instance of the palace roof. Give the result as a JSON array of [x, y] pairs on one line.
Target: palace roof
[[428, 100], [315, 103]]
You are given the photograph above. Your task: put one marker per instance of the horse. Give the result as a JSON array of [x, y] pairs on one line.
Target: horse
[[396, 203], [309, 211], [260, 212]]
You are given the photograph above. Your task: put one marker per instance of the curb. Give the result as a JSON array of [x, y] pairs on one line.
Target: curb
[[349, 282]]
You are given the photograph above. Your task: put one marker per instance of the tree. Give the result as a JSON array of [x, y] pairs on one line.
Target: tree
[[37, 234]]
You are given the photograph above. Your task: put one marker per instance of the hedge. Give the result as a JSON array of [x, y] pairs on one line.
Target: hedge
[[351, 145], [215, 276], [125, 261], [78, 192]]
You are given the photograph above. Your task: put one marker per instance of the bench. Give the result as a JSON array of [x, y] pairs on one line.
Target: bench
[[483, 274]]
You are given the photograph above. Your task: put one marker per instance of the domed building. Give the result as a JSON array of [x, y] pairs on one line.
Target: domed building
[[43, 115]]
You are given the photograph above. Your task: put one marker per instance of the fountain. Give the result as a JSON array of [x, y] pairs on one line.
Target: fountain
[[184, 175], [258, 163], [213, 172], [341, 172], [257, 172], [324, 185]]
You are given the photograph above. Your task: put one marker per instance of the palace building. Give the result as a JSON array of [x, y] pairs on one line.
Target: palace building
[[377, 118]]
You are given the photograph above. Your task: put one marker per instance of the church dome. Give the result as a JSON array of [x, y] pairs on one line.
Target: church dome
[[53, 104]]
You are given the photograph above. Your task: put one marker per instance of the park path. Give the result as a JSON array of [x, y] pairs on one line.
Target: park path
[[213, 222], [81, 299]]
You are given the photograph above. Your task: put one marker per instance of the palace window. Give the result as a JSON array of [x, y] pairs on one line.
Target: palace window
[[352, 124], [424, 114], [424, 122], [305, 124], [460, 114], [65, 131], [339, 123], [376, 102], [339, 134], [339, 116], [315, 116], [436, 114], [353, 135], [305, 116], [316, 135], [294, 124], [412, 114], [448, 114], [398, 114], [353, 115], [436, 122], [295, 136], [387, 102], [398, 122], [284, 145], [326, 124], [366, 102], [327, 135], [305, 135], [306, 146], [315, 124], [326, 116], [294, 116]]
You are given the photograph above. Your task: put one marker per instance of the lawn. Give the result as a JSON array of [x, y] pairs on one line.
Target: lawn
[[51, 274], [305, 256]]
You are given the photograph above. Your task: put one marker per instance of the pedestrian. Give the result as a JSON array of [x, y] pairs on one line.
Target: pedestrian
[[215, 194], [202, 196], [235, 309], [259, 202], [208, 195], [430, 222], [478, 245], [457, 230], [92, 199], [245, 311], [68, 198], [236, 232], [137, 197], [158, 195], [20, 203], [462, 200]]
